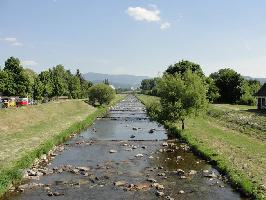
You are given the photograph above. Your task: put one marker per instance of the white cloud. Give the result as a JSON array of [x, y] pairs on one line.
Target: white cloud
[[165, 25], [143, 14], [29, 63], [148, 15], [17, 44], [12, 41]]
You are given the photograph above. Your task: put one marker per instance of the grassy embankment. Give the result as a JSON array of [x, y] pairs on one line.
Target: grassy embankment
[[28, 132], [233, 138]]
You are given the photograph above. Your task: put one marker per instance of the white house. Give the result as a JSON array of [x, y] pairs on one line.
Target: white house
[[261, 97]]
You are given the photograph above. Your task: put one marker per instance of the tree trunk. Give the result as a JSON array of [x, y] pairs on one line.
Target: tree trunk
[[183, 124]]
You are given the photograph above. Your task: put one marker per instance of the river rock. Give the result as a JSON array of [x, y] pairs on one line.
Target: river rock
[[181, 191], [161, 174], [119, 183], [139, 155], [192, 172], [113, 151], [169, 198], [159, 194], [152, 180], [180, 172], [165, 144]]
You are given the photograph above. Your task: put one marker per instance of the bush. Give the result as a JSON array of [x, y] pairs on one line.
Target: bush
[[154, 110], [101, 94]]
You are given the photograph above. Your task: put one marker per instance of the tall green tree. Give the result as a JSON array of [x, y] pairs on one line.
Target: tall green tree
[[229, 83], [213, 91], [248, 89], [18, 82], [181, 96], [85, 85], [46, 77], [183, 66], [60, 81], [38, 88]]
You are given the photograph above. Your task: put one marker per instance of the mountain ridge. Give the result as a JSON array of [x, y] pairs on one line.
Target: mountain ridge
[[118, 80]]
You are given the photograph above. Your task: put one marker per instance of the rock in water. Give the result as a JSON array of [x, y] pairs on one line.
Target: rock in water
[[119, 183]]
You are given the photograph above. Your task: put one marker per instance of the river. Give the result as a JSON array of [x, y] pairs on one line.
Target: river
[[126, 156]]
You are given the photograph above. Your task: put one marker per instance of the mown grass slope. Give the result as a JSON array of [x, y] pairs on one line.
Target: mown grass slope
[[238, 149], [23, 129]]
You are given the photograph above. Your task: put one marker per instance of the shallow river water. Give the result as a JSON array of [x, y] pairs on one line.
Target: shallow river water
[[142, 164]]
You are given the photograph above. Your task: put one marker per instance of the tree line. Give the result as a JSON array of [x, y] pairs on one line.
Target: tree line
[[185, 91], [57, 81], [224, 86]]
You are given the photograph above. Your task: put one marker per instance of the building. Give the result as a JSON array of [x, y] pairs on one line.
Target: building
[[261, 97]]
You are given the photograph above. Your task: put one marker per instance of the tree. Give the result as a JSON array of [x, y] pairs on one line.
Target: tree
[[60, 81], [31, 76], [181, 97], [17, 82], [106, 81], [85, 85], [101, 93], [213, 91], [3, 81], [148, 86], [248, 89], [37, 89], [229, 83], [47, 82], [74, 86], [183, 66]]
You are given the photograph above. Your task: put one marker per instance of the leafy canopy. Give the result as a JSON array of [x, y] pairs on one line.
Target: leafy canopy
[[101, 93], [181, 97]]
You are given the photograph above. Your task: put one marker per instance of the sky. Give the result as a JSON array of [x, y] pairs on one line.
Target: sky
[[139, 37]]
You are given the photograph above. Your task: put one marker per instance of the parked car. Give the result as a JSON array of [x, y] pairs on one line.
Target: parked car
[[9, 102], [23, 102]]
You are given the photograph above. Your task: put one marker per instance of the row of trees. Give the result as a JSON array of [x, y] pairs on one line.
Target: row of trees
[[224, 86], [54, 82]]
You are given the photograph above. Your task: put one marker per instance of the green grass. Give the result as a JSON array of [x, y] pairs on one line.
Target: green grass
[[35, 144], [239, 155]]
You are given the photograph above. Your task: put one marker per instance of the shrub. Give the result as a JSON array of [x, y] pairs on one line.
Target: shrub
[[101, 94]]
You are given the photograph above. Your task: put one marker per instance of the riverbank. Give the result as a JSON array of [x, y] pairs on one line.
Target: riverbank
[[28, 132], [239, 155]]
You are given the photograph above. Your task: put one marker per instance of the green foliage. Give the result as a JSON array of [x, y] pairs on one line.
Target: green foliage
[[229, 84], [74, 87], [248, 89], [101, 93], [47, 81], [85, 85], [213, 91], [183, 66], [17, 82], [38, 88], [181, 97], [106, 81], [148, 86], [32, 76], [59, 80]]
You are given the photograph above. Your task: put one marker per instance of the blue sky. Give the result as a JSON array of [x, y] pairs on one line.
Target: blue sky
[[139, 37]]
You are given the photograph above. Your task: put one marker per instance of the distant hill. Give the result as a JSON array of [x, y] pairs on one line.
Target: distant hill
[[262, 80], [119, 80]]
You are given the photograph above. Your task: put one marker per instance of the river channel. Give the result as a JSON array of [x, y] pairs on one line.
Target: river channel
[[124, 155]]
